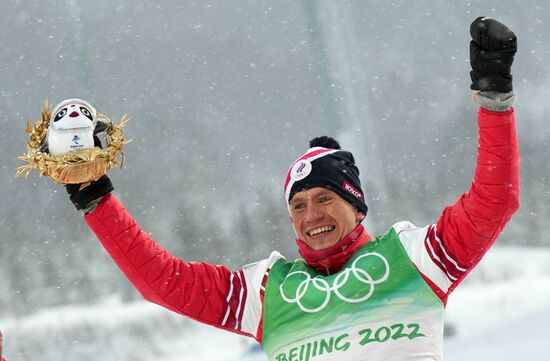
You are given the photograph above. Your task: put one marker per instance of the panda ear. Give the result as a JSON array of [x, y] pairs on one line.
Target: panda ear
[[100, 127]]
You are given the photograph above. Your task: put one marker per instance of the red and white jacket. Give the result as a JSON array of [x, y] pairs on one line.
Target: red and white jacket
[[443, 252]]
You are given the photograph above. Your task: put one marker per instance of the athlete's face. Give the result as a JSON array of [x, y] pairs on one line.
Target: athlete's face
[[321, 218]]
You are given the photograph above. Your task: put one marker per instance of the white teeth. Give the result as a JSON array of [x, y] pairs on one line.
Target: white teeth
[[320, 230]]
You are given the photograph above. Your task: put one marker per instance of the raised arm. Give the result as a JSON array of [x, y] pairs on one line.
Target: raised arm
[[466, 229], [207, 293], [470, 226], [153, 271]]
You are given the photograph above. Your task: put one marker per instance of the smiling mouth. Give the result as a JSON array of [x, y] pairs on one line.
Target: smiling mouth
[[320, 230]]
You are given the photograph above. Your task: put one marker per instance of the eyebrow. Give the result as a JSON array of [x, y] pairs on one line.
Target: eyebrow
[[317, 195]]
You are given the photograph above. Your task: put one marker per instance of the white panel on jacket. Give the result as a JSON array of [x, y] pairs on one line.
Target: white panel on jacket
[[254, 274], [416, 243]]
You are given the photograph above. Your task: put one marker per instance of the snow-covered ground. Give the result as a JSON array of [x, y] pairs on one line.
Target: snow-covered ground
[[501, 312]]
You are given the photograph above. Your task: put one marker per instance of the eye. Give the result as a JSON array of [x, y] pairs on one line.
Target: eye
[[297, 206], [60, 114], [324, 199], [86, 112]]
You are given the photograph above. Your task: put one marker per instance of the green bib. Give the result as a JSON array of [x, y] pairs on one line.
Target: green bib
[[378, 299]]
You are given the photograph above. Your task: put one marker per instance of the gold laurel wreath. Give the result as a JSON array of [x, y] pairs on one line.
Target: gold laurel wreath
[[80, 166]]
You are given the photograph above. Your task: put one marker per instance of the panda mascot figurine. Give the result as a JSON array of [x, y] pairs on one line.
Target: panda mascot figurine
[[73, 126], [65, 146]]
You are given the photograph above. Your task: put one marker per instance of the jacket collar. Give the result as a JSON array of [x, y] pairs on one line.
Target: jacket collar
[[332, 259]]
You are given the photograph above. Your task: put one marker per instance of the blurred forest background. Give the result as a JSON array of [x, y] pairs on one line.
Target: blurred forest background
[[224, 95]]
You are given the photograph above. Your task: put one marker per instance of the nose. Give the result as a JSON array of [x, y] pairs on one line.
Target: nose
[[74, 114], [312, 212]]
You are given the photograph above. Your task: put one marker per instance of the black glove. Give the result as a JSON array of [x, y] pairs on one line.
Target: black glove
[[82, 198], [492, 52]]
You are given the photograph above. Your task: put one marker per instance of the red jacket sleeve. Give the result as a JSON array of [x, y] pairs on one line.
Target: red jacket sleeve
[[467, 228], [196, 290]]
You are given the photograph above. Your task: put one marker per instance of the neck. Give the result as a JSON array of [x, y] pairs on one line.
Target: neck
[[332, 259]]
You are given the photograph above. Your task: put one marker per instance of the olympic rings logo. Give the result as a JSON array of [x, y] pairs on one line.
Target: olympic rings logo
[[321, 285]]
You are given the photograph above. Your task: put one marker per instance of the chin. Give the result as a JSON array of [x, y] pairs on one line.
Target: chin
[[323, 245]]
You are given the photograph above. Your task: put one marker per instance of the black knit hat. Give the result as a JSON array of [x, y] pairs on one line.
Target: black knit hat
[[326, 165]]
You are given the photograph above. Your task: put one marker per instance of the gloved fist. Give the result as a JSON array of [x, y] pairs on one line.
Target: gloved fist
[[83, 196], [492, 52]]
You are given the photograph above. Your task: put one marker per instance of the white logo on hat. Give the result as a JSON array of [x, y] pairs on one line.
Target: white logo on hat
[[300, 170]]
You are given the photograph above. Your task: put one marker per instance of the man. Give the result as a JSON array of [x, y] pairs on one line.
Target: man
[[352, 296]]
